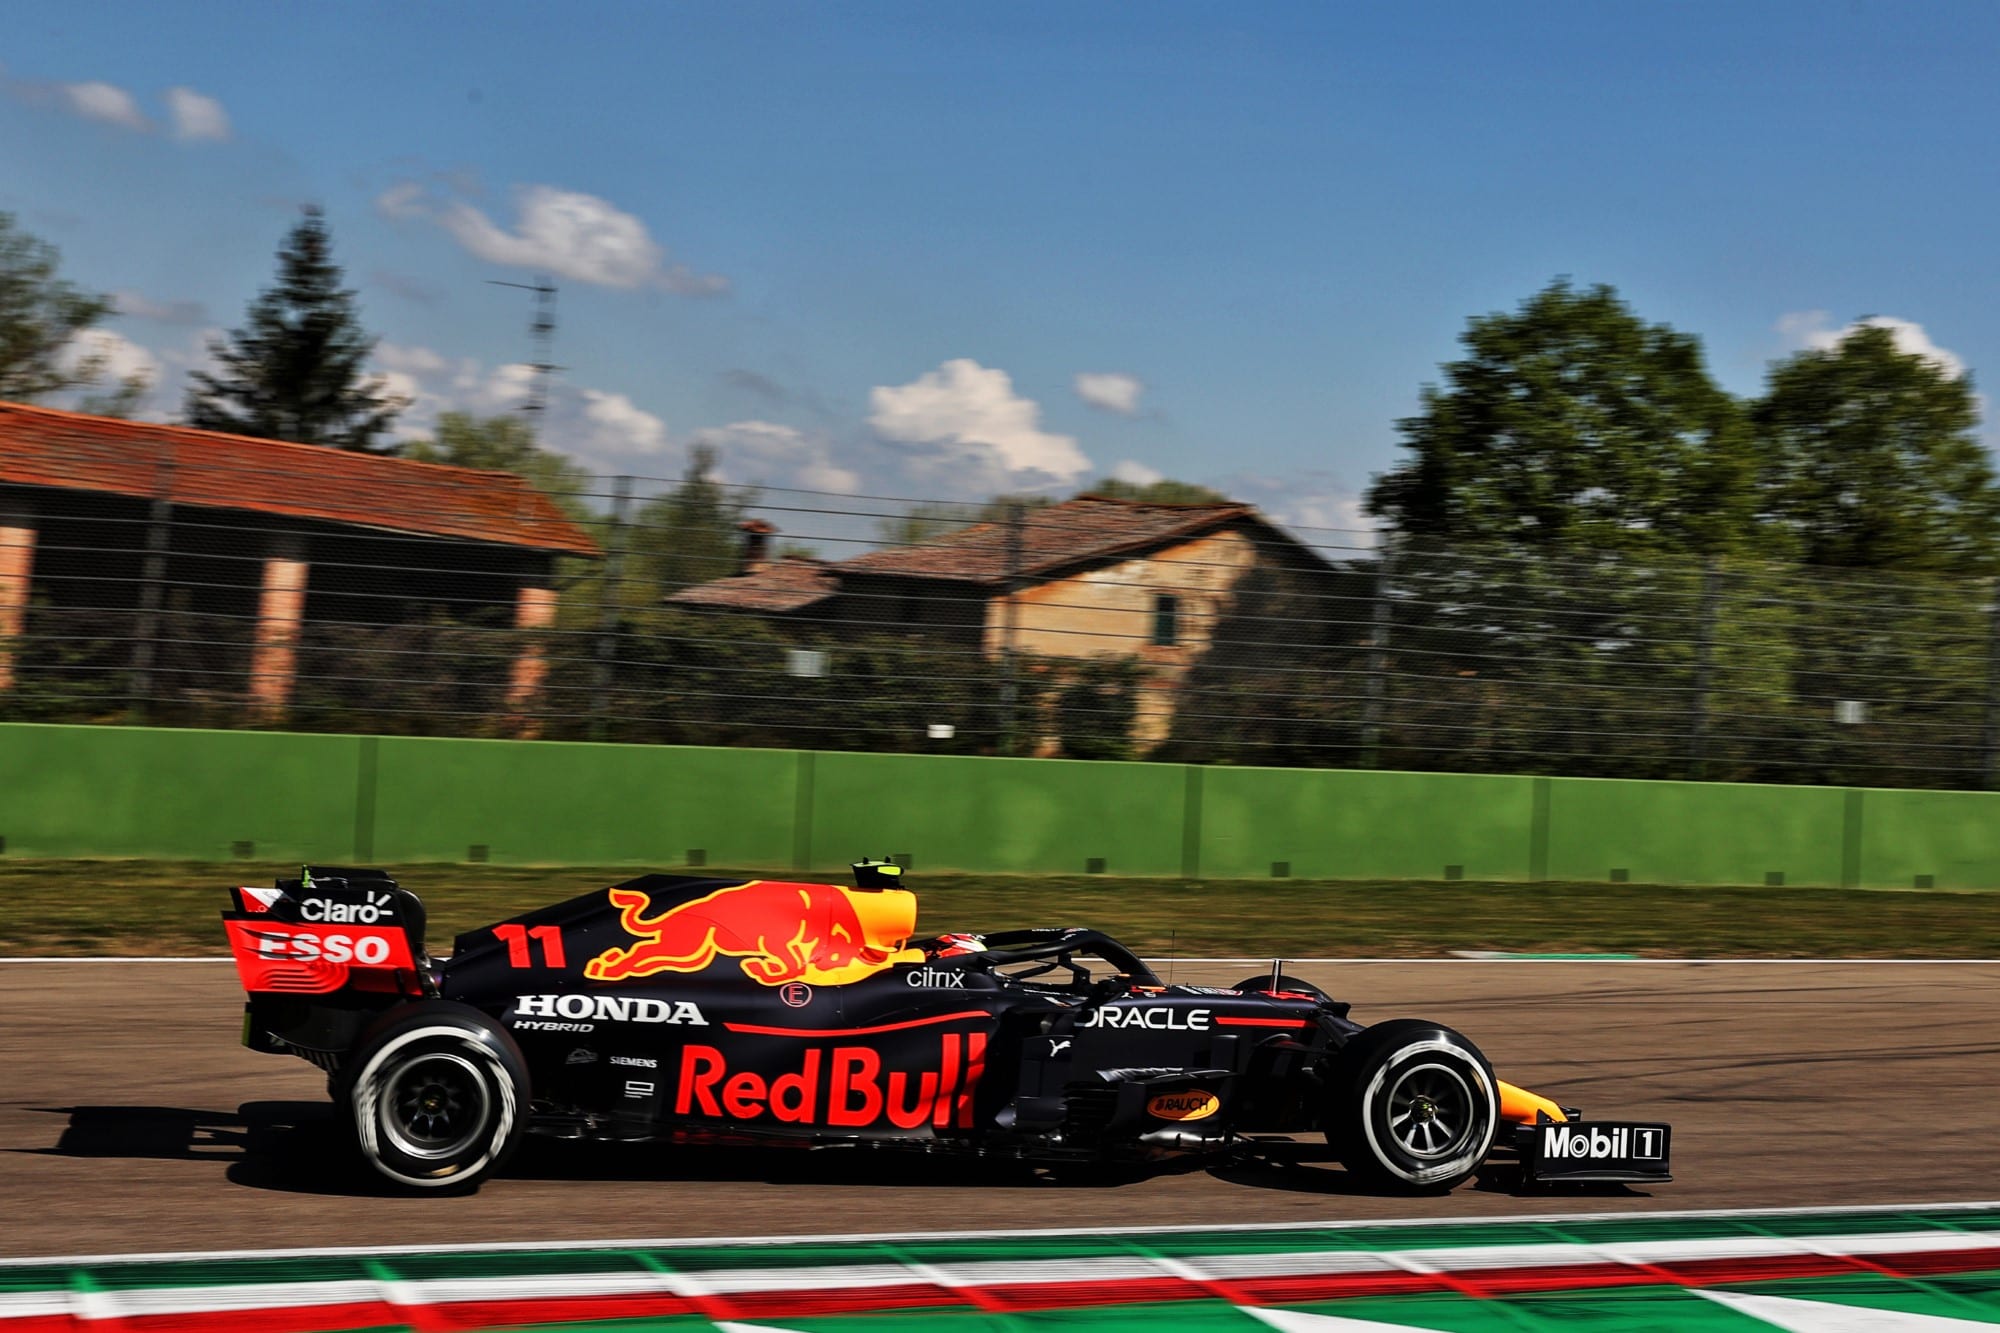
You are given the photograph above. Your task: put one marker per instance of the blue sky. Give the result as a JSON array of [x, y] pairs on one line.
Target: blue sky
[[872, 247]]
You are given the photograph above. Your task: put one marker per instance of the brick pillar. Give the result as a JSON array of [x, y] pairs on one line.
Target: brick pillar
[[281, 609], [534, 611], [17, 564]]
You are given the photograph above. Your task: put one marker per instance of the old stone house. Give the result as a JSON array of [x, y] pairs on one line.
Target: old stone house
[[1092, 577]]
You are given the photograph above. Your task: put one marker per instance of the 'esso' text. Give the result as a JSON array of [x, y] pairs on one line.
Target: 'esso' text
[[369, 950]]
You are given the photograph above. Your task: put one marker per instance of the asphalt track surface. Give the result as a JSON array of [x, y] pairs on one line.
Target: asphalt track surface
[[131, 1120]]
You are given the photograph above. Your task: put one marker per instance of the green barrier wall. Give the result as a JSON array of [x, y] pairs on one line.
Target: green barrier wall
[[1698, 832], [1012, 815], [185, 795], [529, 803], [207, 795], [1338, 823]]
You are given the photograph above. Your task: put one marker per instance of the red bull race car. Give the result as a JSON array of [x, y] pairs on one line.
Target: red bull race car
[[682, 1009]]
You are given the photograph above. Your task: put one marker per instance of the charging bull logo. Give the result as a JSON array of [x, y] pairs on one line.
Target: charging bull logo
[[817, 933]]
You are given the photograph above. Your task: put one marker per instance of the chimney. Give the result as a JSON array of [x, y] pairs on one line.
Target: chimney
[[756, 544]]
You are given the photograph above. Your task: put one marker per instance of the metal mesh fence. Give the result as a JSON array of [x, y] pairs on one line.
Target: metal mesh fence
[[1225, 641]]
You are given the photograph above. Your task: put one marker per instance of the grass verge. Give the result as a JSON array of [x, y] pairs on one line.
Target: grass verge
[[76, 908]]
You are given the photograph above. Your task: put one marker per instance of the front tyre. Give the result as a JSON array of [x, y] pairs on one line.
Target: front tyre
[[436, 1097], [1412, 1106]]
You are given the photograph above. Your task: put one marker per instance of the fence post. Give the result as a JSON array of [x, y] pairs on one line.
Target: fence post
[[1382, 618], [1990, 748], [19, 531], [606, 650], [1010, 619], [152, 584], [1704, 668]]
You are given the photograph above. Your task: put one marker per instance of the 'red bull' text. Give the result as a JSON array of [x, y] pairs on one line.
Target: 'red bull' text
[[843, 1086]]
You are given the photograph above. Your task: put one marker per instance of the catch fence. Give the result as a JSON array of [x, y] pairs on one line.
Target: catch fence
[[1005, 629]]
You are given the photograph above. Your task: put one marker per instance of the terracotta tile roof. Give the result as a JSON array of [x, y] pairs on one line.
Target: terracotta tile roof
[[1089, 527], [43, 447], [790, 584]]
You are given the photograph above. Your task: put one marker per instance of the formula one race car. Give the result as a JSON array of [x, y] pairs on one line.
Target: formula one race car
[[682, 1009]]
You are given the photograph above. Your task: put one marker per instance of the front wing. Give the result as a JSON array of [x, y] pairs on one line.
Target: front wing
[[1594, 1152]]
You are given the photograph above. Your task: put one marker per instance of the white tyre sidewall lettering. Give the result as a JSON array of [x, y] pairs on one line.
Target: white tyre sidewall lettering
[[367, 1103], [1482, 1086]]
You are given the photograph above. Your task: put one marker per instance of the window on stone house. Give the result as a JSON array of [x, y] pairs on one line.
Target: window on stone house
[[1166, 620]]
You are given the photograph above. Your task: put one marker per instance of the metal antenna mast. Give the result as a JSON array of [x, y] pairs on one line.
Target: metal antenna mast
[[542, 330]]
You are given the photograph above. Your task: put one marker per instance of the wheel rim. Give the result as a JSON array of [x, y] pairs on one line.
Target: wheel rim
[[435, 1106], [1431, 1112]]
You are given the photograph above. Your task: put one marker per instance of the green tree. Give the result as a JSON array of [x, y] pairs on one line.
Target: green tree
[[690, 534], [1566, 484], [1571, 422], [922, 522], [1165, 491], [928, 520], [40, 313], [1870, 458], [119, 400], [507, 443], [295, 370]]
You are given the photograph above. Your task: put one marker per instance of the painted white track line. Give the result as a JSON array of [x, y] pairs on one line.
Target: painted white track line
[[114, 960], [893, 1237], [1196, 1272]]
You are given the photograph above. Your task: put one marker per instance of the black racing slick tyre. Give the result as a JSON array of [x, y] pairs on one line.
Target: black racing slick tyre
[[436, 1095], [1411, 1106]]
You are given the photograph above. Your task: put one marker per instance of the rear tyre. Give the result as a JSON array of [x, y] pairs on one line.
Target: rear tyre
[[1411, 1106], [436, 1096]]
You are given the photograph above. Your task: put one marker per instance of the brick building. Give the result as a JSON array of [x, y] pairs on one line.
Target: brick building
[[122, 522]]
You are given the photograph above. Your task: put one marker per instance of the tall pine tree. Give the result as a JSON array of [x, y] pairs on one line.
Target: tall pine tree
[[294, 371]]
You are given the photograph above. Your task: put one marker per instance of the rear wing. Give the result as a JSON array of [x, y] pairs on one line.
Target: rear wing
[[330, 929]]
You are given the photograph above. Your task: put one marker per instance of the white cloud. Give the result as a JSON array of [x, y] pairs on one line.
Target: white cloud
[[414, 374], [1111, 391], [604, 431], [163, 365], [564, 232], [766, 453], [620, 427], [968, 432], [1136, 473], [1317, 508], [191, 116], [404, 200], [138, 305], [416, 360], [105, 102], [196, 115], [114, 357], [1817, 329]]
